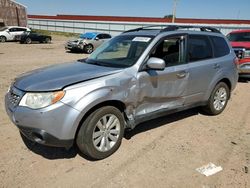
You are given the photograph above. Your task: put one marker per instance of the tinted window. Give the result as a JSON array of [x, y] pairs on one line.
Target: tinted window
[[239, 37], [20, 29], [100, 36], [12, 30], [220, 46], [199, 48], [106, 36]]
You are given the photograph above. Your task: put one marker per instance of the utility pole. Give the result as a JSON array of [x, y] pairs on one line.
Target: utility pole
[[174, 11]]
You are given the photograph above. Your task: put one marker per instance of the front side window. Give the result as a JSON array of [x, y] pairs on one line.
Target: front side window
[[239, 37], [199, 48], [12, 30], [171, 50], [121, 51]]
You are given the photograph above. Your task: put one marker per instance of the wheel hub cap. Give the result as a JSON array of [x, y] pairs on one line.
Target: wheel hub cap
[[106, 132], [220, 98]]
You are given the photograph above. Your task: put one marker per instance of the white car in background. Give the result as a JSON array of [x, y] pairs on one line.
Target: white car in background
[[11, 33]]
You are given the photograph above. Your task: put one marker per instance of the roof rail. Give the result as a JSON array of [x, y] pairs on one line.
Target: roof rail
[[174, 28], [144, 28]]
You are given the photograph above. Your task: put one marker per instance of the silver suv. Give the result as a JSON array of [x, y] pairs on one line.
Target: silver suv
[[139, 75], [87, 42]]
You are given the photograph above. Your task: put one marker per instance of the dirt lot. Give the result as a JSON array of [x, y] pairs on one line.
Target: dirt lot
[[161, 153]]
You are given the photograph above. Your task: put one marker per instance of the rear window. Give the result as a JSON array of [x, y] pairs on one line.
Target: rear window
[[239, 37], [199, 48], [220, 46]]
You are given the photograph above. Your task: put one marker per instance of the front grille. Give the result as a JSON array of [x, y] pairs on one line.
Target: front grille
[[14, 96], [239, 52]]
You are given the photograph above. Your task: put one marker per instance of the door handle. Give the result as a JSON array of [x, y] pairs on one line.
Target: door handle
[[216, 66], [182, 74]]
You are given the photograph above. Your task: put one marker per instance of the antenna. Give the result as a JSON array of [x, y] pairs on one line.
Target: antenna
[[174, 10]]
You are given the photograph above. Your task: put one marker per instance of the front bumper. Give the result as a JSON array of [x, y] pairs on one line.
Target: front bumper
[[72, 47], [55, 125]]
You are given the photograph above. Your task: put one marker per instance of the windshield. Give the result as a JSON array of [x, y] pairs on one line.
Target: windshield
[[87, 35], [121, 51], [239, 37], [3, 28]]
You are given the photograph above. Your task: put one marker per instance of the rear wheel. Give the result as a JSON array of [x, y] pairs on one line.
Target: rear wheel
[[218, 99], [101, 133], [28, 41], [3, 39], [47, 40], [89, 48]]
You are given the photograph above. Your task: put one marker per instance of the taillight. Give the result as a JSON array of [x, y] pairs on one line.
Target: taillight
[[236, 62]]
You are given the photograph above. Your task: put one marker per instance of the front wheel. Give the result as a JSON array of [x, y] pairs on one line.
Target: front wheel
[[101, 133], [88, 48], [28, 41], [3, 39], [218, 99]]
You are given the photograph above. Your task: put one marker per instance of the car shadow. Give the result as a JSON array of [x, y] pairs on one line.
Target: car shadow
[[162, 121], [75, 52], [244, 80], [53, 153], [49, 152]]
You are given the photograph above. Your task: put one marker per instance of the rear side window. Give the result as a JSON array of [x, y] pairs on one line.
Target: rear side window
[[220, 46], [199, 48], [106, 36]]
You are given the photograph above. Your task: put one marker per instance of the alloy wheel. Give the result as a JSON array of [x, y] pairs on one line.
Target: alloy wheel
[[106, 132]]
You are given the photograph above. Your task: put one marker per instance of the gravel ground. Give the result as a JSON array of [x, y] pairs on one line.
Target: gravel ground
[[161, 153]]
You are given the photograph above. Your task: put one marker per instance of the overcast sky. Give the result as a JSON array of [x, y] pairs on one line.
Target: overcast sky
[[217, 9]]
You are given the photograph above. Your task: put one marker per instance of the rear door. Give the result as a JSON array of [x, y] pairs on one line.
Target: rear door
[[162, 90], [202, 67]]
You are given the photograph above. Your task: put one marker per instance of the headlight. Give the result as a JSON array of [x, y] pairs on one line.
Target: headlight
[[41, 100]]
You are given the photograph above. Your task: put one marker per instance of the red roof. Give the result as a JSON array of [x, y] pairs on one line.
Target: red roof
[[139, 19]]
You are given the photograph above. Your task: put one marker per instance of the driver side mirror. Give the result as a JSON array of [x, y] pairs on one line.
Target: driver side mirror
[[97, 38], [156, 63]]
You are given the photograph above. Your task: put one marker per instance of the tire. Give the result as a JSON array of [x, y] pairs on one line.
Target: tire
[[88, 48], [28, 41], [96, 140], [47, 40], [218, 100], [3, 39]]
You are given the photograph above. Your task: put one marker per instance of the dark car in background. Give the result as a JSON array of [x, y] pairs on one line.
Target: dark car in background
[[29, 37], [87, 42]]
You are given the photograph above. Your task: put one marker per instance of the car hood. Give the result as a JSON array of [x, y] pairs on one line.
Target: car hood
[[59, 76]]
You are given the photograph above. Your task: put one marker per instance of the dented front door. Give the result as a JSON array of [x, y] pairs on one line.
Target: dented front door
[[162, 90]]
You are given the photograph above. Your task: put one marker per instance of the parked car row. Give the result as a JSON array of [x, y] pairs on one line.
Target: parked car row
[[22, 34]]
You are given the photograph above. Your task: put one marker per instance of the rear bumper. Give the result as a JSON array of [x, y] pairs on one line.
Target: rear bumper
[[244, 70]]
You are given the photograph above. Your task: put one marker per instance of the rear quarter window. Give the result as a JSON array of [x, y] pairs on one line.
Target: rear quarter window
[[220, 46]]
